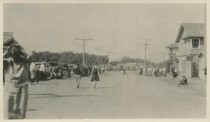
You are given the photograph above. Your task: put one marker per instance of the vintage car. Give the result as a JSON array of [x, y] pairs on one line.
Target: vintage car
[[60, 70], [43, 71]]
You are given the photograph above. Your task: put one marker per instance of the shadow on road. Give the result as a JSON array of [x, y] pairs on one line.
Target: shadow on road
[[103, 87], [86, 88], [31, 109], [43, 83], [93, 88], [50, 95]]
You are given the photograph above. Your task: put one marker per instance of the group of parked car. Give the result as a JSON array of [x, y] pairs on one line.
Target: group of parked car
[[57, 70]]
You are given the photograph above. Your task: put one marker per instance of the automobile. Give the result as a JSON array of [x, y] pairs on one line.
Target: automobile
[[43, 71], [60, 70]]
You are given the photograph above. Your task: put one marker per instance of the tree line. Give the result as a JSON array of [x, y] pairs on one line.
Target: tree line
[[76, 58], [68, 57]]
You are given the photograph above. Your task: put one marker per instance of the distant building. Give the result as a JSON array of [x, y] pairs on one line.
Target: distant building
[[191, 49], [113, 58]]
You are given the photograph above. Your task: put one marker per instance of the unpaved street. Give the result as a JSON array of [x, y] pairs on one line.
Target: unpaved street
[[116, 96]]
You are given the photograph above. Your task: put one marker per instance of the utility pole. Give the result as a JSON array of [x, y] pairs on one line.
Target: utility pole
[[145, 54], [83, 56], [163, 61]]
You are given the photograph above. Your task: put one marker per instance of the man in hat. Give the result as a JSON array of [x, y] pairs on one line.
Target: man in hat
[[16, 69]]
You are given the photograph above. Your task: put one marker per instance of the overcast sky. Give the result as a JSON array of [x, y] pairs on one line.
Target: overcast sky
[[120, 28]]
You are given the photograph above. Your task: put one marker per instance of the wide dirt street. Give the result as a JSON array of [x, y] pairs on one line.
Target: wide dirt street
[[116, 96]]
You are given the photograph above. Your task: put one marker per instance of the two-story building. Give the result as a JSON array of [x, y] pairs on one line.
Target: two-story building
[[190, 41]]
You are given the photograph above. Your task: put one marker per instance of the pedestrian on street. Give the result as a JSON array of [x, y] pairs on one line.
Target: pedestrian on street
[[42, 71], [78, 74], [174, 72], [124, 73], [16, 74], [32, 72], [95, 75], [141, 70]]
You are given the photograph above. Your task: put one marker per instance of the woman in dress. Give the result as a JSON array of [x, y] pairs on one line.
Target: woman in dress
[[94, 75]]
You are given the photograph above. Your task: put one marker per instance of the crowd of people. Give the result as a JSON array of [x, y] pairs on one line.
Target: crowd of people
[[153, 71], [18, 70], [158, 72], [41, 72]]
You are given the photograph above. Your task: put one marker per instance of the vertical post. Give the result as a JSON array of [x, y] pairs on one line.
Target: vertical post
[[145, 57], [83, 59], [145, 53], [163, 61], [83, 56]]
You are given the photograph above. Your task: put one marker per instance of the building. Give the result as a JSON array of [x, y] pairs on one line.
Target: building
[[173, 61], [190, 52]]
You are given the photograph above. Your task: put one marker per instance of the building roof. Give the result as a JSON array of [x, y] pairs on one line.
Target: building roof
[[173, 45], [191, 30]]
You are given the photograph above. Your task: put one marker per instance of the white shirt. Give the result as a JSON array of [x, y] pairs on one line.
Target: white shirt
[[32, 66], [42, 67]]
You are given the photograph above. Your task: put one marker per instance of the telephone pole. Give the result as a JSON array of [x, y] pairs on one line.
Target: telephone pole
[[145, 53], [83, 56]]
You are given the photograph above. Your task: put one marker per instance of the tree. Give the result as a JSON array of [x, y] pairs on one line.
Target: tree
[[68, 57]]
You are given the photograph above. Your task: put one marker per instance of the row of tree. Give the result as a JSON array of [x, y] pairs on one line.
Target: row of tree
[[68, 57], [126, 59], [76, 58]]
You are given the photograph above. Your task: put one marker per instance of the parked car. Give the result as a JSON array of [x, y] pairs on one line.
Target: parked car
[[43, 71], [60, 70]]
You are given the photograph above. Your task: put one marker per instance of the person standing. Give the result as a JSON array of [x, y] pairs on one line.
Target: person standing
[[32, 72], [95, 75], [42, 71], [16, 71], [78, 74], [124, 72], [174, 72]]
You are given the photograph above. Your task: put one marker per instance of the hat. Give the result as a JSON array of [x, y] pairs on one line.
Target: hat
[[13, 49], [10, 42]]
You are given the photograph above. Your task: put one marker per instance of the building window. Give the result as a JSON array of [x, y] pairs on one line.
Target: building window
[[195, 43], [201, 42], [188, 43]]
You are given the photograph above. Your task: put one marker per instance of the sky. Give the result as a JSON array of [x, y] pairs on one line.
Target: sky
[[116, 29]]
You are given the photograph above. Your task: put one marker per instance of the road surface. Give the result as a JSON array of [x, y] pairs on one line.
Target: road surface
[[116, 96]]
